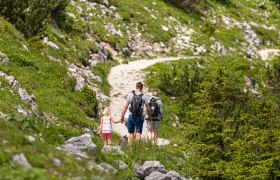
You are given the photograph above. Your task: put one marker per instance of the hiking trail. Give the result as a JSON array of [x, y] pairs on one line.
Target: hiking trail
[[122, 79]]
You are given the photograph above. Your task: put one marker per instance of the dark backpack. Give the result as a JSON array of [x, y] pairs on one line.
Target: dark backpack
[[154, 107], [136, 104]]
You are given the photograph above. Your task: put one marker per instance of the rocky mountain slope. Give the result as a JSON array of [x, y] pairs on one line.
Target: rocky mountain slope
[[54, 85]]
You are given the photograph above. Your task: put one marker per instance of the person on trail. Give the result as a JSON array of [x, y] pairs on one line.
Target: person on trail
[[157, 116], [106, 126], [136, 101]]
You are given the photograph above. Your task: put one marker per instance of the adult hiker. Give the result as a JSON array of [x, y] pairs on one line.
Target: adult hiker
[[157, 116], [136, 101]]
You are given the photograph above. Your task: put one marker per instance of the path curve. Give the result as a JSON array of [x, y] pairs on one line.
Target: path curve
[[122, 79]]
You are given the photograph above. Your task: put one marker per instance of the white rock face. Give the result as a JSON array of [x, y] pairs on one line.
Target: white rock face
[[53, 45], [266, 54], [21, 159]]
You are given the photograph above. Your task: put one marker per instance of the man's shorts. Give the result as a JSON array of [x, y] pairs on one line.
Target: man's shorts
[[135, 123], [107, 135], [152, 125]]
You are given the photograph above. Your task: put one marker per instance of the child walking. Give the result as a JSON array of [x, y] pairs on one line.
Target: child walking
[[106, 126]]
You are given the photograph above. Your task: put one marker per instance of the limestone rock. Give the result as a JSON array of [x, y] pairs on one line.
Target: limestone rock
[[57, 162], [163, 142], [108, 168], [77, 146], [112, 30], [3, 116], [148, 167], [3, 58], [53, 45], [122, 165], [30, 138], [175, 176], [21, 159], [157, 176], [110, 149]]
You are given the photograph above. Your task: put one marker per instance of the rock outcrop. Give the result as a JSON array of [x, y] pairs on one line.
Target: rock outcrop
[[154, 170], [78, 146]]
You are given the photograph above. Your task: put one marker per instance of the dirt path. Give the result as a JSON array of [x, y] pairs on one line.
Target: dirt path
[[122, 79]]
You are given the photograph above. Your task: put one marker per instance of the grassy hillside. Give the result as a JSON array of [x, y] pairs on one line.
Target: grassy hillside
[[223, 33]]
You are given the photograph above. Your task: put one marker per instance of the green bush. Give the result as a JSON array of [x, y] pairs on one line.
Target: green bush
[[31, 16]]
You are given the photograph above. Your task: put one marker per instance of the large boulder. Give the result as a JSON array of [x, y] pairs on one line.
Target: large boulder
[[154, 170], [78, 146], [148, 167]]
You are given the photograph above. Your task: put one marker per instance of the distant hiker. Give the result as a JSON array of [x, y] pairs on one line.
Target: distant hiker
[[157, 116], [136, 99], [106, 126]]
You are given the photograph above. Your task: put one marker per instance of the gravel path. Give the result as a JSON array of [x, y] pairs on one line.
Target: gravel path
[[122, 79]]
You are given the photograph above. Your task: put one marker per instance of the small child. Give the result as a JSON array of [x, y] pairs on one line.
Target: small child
[[106, 126]]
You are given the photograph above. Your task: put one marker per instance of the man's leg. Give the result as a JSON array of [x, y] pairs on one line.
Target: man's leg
[[139, 127], [156, 128], [131, 129], [155, 136], [130, 138], [150, 129]]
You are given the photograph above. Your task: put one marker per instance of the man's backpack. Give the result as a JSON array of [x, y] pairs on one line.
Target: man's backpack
[[154, 107], [136, 104]]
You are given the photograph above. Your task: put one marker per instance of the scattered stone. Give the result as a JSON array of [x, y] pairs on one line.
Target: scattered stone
[[77, 145], [102, 53], [21, 159], [3, 58], [111, 28], [255, 92], [148, 167], [53, 45], [108, 168], [250, 36], [163, 142], [268, 53], [71, 15], [24, 95], [164, 28], [3, 116], [261, 5], [122, 165], [54, 59], [110, 149], [30, 138], [2, 74], [57, 162], [126, 52], [157, 176], [92, 165], [21, 111], [25, 47]]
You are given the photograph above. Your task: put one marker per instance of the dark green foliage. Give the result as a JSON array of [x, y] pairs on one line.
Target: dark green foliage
[[31, 16], [227, 133], [89, 103]]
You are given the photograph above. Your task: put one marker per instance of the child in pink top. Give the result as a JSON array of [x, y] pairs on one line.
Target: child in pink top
[[106, 126]]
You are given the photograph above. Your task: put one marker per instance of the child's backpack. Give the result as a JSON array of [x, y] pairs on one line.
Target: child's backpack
[[154, 107], [136, 104]]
